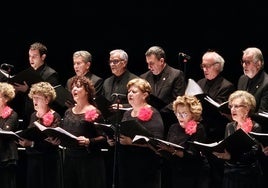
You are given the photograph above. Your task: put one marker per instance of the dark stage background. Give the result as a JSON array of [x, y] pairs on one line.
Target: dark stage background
[[99, 26]]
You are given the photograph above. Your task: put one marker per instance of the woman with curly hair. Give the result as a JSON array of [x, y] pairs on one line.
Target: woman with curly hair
[[8, 148], [84, 165], [187, 168], [43, 157]]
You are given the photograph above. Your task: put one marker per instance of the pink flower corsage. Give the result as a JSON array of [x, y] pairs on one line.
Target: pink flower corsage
[[48, 119], [145, 113], [91, 115], [247, 126], [190, 127], [6, 112]]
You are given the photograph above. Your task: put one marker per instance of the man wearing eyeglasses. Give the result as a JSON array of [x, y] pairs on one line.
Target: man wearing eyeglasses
[[115, 86], [115, 90], [255, 79], [218, 88]]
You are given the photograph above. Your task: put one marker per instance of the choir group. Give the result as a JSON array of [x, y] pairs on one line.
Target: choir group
[[154, 104]]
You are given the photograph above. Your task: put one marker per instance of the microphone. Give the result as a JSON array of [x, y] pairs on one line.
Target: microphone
[[7, 65], [118, 95], [184, 55]]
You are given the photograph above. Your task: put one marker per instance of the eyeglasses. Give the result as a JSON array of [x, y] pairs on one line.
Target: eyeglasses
[[207, 66], [246, 62], [181, 115], [115, 61], [236, 106]]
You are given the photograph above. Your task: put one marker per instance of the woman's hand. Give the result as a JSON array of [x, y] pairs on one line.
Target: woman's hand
[[83, 141], [125, 140], [26, 143], [54, 141], [225, 155]]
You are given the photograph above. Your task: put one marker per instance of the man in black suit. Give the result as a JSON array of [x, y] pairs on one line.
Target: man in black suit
[[114, 89], [167, 82], [82, 61], [218, 88], [117, 83], [255, 79], [37, 56]]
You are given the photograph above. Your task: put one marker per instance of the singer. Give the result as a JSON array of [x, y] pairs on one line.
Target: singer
[[116, 83], [139, 166], [114, 87]]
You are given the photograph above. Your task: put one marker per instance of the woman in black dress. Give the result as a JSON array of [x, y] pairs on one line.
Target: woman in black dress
[[187, 168], [241, 170], [8, 148], [139, 166], [83, 166], [43, 157]]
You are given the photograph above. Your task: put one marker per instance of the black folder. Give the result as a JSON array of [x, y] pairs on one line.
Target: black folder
[[156, 102], [63, 95], [108, 129], [262, 119], [8, 135], [208, 103], [32, 133], [261, 138], [131, 128], [155, 142], [211, 105], [30, 76], [67, 139], [103, 104], [236, 144]]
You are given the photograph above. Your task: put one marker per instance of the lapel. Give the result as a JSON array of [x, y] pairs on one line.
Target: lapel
[[161, 82]]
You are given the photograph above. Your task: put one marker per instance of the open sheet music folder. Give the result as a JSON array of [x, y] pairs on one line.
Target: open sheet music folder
[[262, 119], [30, 76], [9, 135], [208, 103], [67, 139], [262, 138], [236, 144]]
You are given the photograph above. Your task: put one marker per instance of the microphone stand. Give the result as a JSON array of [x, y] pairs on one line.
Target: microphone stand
[[117, 142], [184, 58]]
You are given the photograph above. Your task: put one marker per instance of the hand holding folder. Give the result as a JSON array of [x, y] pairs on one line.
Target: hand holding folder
[[155, 141], [156, 144], [66, 139], [129, 128], [29, 76]]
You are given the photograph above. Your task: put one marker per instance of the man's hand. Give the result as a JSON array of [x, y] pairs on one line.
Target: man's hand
[[21, 87]]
